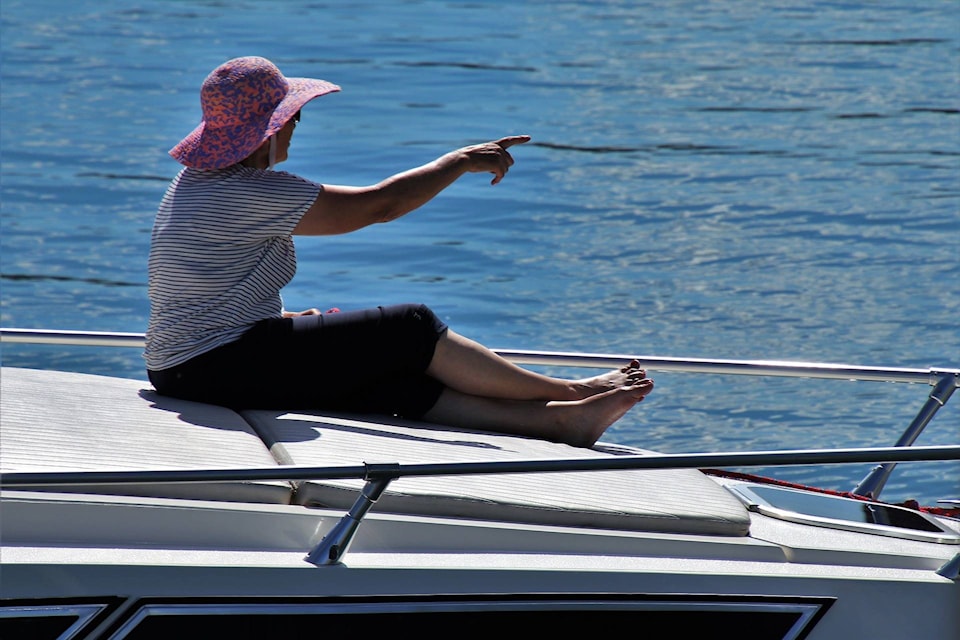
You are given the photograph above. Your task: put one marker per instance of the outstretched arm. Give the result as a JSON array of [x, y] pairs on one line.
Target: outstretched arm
[[342, 209]]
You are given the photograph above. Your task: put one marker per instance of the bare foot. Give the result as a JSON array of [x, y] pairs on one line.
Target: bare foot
[[628, 375], [582, 422]]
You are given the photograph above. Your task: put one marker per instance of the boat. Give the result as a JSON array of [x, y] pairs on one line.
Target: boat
[[127, 515]]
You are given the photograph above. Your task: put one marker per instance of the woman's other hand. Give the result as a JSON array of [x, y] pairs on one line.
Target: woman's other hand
[[308, 312]]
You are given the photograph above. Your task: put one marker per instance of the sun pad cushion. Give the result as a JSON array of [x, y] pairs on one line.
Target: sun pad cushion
[[678, 501], [60, 421]]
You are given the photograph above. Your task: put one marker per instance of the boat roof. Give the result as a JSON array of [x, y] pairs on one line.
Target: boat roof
[[63, 421]]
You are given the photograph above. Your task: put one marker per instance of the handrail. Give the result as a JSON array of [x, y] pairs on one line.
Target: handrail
[[944, 380], [795, 457], [72, 338], [567, 359], [332, 548], [784, 368]]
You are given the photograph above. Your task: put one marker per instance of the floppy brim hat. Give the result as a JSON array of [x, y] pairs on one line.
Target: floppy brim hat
[[244, 101]]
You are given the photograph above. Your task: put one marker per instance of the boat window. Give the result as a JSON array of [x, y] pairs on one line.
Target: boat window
[[844, 513], [46, 621], [687, 616]]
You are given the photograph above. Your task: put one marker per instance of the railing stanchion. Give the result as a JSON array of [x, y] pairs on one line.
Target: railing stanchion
[[336, 543], [872, 484]]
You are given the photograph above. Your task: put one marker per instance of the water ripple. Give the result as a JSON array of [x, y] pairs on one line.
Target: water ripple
[[105, 282]]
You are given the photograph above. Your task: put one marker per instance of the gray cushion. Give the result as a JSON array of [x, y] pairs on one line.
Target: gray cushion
[[679, 501], [59, 421]]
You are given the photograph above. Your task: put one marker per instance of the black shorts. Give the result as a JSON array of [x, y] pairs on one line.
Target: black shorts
[[370, 361]]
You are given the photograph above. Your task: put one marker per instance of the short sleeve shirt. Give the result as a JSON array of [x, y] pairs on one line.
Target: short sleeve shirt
[[220, 251]]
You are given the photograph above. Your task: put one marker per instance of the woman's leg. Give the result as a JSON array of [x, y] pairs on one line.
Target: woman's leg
[[485, 391], [471, 368], [579, 423]]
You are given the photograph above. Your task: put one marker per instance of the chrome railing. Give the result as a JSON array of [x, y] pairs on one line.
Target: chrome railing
[[72, 338], [334, 545], [565, 359], [944, 382]]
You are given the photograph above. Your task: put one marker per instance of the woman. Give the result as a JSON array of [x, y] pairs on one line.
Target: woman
[[222, 249]]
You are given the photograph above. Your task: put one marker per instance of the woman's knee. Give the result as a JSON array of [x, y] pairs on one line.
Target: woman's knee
[[419, 317], [416, 329]]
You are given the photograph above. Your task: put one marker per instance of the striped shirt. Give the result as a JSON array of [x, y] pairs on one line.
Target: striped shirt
[[220, 252]]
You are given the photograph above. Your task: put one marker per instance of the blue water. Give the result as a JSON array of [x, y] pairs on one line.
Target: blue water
[[743, 180]]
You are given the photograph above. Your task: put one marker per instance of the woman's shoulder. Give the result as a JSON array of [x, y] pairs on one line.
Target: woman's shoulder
[[237, 176], [215, 197]]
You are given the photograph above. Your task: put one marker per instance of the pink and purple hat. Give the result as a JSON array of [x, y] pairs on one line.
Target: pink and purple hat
[[244, 102]]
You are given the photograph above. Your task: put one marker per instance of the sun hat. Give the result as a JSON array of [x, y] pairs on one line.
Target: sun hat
[[244, 101]]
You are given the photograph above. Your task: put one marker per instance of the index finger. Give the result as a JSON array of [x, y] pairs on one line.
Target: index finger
[[509, 141]]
